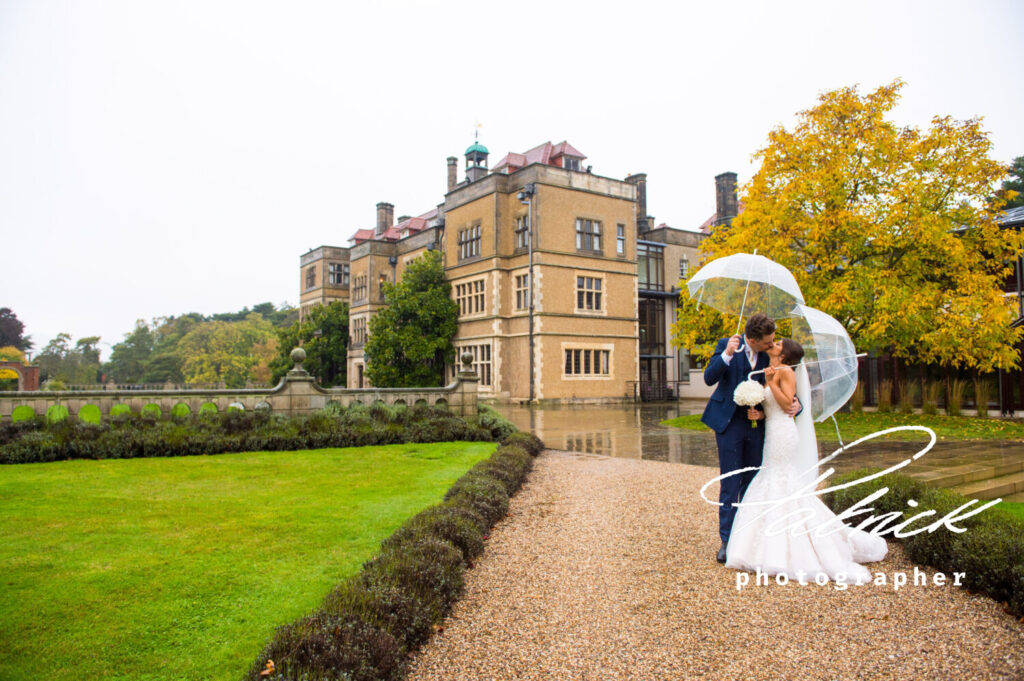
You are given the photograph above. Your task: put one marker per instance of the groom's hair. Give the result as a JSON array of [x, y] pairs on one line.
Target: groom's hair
[[792, 352], [759, 326]]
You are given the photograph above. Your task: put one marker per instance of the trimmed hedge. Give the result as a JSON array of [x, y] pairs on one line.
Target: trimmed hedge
[[990, 552], [367, 626], [528, 441], [57, 413], [488, 418], [130, 435]]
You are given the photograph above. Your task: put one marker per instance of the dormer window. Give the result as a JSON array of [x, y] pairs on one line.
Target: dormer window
[[570, 163]]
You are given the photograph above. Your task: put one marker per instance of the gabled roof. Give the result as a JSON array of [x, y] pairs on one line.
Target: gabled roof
[[547, 153], [565, 149]]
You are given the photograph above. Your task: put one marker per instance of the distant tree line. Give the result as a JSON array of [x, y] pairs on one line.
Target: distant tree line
[[231, 348], [410, 343]]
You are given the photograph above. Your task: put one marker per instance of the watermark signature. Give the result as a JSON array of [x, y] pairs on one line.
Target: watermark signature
[[898, 579], [795, 520]]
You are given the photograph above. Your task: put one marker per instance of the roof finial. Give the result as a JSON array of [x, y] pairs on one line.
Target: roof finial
[[476, 133]]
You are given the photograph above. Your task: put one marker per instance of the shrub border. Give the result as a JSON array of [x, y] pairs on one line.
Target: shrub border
[[133, 436], [990, 552], [368, 626]]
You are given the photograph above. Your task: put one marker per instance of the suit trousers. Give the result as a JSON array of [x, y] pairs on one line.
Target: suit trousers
[[740, 445]]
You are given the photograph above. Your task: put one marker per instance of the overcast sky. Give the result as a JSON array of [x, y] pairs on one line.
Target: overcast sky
[[164, 157]]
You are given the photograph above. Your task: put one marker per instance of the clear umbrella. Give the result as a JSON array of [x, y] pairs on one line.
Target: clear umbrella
[[742, 283], [830, 357]]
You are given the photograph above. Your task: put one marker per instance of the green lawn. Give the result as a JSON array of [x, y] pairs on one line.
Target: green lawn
[[854, 426], [181, 568], [1015, 508]]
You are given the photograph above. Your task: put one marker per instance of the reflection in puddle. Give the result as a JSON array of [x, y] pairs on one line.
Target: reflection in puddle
[[634, 431], [627, 430]]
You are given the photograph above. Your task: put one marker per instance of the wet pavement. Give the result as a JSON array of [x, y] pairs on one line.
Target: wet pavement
[[982, 469], [631, 431]]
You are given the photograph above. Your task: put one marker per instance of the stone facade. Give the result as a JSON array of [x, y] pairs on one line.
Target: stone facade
[[587, 233], [324, 277]]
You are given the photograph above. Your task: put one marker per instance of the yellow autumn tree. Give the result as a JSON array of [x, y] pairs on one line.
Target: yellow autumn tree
[[886, 228], [227, 352], [10, 353]]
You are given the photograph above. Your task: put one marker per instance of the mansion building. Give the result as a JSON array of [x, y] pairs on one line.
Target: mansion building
[[566, 290]]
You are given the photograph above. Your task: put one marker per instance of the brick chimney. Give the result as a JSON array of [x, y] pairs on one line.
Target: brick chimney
[[385, 217], [453, 172], [726, 203], [640, 181]]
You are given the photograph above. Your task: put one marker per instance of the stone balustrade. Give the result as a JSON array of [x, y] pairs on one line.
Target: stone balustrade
[[296, 394]]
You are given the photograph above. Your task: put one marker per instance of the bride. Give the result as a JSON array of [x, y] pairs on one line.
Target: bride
[[780, 535]]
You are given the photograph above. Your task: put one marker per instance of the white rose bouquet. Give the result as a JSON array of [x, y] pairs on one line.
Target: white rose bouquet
[[748, 394]]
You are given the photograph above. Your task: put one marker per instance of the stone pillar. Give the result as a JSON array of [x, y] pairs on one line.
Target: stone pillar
[[726, 202], [297, 396], [453, 172], [639, 180], [466, 388], [385, 216]]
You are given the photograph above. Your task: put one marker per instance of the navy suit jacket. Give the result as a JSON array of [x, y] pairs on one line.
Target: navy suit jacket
[[721, 407]]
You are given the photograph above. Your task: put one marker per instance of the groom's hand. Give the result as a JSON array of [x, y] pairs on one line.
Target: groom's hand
[[732, 346], [794, 408]]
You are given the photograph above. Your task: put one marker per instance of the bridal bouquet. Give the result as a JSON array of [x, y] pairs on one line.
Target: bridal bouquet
[[748, 394]]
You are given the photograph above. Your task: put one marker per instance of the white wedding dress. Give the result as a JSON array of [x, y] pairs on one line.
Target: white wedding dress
[[786, 538]]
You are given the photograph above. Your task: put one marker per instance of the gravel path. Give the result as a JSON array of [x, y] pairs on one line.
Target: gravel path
[[604, 569]]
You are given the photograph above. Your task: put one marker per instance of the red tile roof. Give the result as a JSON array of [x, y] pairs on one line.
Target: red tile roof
[[396, 232], [547, 153], [564, 148]]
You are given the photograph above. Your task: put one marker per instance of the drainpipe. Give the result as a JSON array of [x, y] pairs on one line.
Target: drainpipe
[[393, 261], [526, 197]]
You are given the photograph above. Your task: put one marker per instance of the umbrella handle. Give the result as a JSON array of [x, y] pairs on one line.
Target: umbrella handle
[[813, 361]]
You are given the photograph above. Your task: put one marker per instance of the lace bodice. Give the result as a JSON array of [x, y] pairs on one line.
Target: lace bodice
[[771, 407], [781, 436]]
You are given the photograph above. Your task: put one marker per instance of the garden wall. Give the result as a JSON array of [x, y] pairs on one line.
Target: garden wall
[[296, 394]]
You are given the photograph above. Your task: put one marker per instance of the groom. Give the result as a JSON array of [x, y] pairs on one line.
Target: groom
[[740, 445]]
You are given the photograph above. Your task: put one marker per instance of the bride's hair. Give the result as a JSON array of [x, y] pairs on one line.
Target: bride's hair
[[792, 352]]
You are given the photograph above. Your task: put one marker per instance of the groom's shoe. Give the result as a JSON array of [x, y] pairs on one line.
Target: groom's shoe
[[721, 554]]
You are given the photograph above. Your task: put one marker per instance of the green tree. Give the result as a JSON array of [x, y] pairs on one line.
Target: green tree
[[887, 229], [282, 316], [1012, 191], [217, 351], [165, 364], [75, 364], [410, 340], [130, 358], [326, 351], [12, 331]]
